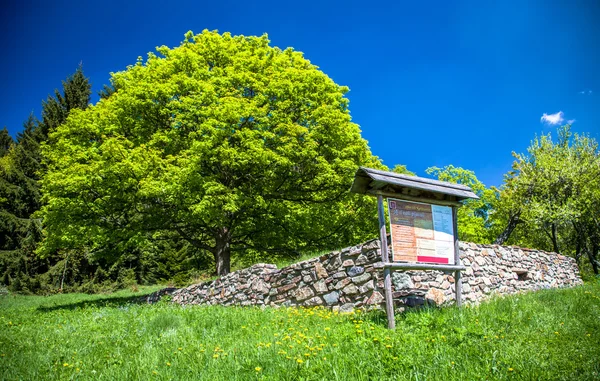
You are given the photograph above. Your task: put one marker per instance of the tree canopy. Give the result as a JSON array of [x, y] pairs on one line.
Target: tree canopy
[[551, 198], [225, 141]]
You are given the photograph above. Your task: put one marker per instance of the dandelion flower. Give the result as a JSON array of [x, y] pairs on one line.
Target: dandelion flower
[[299, 361], [258, 369], [215, 356], [65, 364], [168, 364], [510, 369]]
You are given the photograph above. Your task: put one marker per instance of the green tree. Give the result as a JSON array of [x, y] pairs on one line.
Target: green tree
[[550, 200], [232, 144], [20, 171], [401, 169], [6, 141], [474, 217]]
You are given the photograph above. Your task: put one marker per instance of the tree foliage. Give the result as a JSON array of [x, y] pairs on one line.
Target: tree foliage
[[551, 198], [20, 171], [227, 142]]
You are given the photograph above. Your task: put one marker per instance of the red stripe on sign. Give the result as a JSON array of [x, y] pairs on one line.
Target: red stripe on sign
[[432, 259]]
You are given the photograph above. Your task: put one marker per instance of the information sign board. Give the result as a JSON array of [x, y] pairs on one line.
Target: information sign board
[[421, 233]]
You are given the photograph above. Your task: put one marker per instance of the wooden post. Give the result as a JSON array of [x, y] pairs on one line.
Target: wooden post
[[385, 258], [457, 278]]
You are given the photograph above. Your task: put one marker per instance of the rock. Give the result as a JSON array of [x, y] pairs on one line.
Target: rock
[[371, 245], [366, 287], [320, 286], [361, 260], [341, 284], [401, 280], [436, 295], [355, 270], [361, 278], [350, 289], [303, 293], [355, 250], [332, 297], [315, 301], [375, 298], [348, 263], [339, 275], [346, 308], [334, 262], [320, 271]]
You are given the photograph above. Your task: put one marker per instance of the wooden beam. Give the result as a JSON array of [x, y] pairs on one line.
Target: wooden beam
[[385, 257], [418, 266], [457, 275], [401, 196]]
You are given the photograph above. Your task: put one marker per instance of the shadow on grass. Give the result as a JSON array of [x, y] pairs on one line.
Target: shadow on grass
[[109, 301]]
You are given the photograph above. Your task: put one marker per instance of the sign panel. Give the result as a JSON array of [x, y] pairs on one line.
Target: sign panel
[[421, 232]]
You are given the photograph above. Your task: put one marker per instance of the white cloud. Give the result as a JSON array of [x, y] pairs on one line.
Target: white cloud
[[584, 92], [553, 118], [571, 121]]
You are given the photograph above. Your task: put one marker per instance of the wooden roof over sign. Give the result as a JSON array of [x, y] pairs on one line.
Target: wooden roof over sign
[[412, 188]]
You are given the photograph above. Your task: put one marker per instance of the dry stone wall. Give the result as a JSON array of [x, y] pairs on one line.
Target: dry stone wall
[[347, 279]]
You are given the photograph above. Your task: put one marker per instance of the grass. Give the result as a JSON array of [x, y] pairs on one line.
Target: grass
[[546, 335]]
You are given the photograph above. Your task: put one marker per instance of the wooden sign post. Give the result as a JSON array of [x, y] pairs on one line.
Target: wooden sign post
[[423, 225]]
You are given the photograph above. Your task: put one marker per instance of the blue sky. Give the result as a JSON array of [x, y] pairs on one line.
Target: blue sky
[[432, 83]]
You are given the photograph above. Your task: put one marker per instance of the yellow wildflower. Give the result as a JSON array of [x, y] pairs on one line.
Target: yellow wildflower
[[258, 369]]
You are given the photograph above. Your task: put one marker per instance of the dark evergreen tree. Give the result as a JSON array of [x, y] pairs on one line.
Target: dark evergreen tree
[[20, 171], [6, 141]]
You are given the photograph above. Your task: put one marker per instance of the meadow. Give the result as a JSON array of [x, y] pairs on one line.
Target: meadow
[[544, 335]]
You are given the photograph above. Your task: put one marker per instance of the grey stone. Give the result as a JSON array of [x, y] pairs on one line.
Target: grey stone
[[361, 278], [401, 280], [332, 297], [366, 287], [315, 301], [339, 275], [355, 270], [320, 286], [361, 260], [334, 262], [350, 289]]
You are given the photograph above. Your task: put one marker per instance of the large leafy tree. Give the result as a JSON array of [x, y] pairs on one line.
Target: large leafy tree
[[550, 200], [231, 144]]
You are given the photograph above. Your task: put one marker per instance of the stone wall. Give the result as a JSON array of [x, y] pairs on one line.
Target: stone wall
[[347, 279]]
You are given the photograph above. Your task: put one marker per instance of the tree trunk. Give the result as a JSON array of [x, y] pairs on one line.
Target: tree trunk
[[555, 239], [593, 257], [513, 221], [222, 251]]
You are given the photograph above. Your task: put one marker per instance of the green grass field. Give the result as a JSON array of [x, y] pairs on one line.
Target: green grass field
[[546, 335]]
